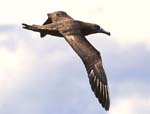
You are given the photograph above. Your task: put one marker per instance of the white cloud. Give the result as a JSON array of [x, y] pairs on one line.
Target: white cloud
[[130, 105], [38, 73], [19, 66]]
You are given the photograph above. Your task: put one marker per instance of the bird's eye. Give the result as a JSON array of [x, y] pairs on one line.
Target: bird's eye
[[97, 27]]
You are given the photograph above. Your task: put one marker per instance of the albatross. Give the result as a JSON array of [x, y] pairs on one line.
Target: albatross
[[60, 24]]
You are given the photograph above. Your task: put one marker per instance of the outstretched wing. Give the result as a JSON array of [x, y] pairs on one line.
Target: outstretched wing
[[54, 17], [58, 16], [93, 63]]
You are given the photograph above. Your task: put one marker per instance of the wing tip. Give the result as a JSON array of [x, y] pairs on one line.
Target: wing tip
[[103, 98], [100, 90]]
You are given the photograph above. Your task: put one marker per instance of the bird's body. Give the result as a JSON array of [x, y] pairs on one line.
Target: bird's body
[[74, 31]]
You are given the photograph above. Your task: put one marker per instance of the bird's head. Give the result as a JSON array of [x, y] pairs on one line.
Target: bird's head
[[98, 29]]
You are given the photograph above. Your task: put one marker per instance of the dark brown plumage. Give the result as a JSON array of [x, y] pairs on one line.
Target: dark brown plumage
[[61, 25]]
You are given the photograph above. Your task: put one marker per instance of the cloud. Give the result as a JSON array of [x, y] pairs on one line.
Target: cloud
[[21, 56], [46, 76], [132, 105]]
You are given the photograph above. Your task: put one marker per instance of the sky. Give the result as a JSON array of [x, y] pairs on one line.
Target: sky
[[43, 76]]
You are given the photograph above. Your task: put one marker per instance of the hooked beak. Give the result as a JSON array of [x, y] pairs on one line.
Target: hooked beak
[[104, 31]]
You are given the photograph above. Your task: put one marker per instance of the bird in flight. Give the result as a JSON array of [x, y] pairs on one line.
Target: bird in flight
[[62, 25]]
